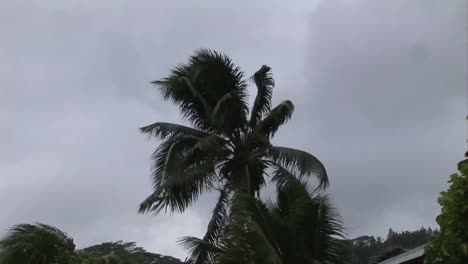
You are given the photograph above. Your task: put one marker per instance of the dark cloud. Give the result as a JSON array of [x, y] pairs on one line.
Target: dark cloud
[[388, 100], [379, 91]]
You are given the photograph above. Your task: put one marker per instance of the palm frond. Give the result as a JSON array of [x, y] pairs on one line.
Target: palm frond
[[257, 169], [34, 243], [300, 162], [264, 81], [169, 157], [164, 130], [201, 251], [199, 85], [181, 190], [175, 88], [281, 176], [176, 184], [150, 201], [218, 219], [248, 240], [277, 116], [309, 226]]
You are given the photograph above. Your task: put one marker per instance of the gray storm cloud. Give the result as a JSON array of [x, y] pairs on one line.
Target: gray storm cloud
[[379, 88]]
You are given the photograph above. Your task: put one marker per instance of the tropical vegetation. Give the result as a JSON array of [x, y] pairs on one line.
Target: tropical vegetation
[[370, 249], [299, 227], [228, 148], [450, 244], [44, 244]]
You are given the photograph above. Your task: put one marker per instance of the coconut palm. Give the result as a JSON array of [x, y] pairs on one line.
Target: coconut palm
[[34, 244], [44, 244], [300, 227], [227, 146]]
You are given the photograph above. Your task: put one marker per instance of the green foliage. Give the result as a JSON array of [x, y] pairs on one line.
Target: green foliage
[[368, 249], [228, 146], [44, 244], [450, 244], [127, 253], [300, 227], [34, 244]]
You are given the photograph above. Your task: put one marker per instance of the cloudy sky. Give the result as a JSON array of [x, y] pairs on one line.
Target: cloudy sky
[[379, 87]]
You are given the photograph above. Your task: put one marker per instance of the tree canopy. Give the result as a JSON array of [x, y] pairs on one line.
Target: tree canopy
[[227, 147], [450, 244]]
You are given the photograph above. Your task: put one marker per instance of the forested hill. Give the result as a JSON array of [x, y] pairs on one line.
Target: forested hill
[[361, 250], [356, 251], [129, 253]]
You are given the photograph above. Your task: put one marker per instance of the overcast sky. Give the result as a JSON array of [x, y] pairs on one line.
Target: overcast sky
[[379, 88]]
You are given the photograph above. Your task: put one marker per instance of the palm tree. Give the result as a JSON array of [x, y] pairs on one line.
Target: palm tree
[[228, 146], [44, 244], [300, 227], [34, 244]]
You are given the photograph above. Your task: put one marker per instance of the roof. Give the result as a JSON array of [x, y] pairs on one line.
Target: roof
[[408, 255]]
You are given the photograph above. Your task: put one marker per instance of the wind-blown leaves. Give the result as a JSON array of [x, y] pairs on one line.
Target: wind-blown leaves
[[307, 226], [199, 85], [228, 148], [277, 116], [300, 227], [248, 239], [300, 162], [218, 219], [181, 190], [264, 81], [164, 130], [203, 251], [281, 176], [178, 177], [34, 243]]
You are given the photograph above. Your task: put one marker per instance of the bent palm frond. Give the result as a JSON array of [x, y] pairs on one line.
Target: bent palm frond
[[34, 243], [277, 117], [300, 162], [164, 130], [264, 81]]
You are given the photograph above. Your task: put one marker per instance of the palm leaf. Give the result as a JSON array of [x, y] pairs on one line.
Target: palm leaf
[[264, 81], [200, 250], [177, 184], [34, 243], [307, 224], [277, 116], [198, 86], [300, 162], [168, 158], [164, 130], [181, 190], [204, 250], [248, 240], [218, 219]]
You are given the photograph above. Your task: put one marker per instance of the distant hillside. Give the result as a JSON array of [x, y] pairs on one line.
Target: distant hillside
[[356, 251], [129, 253], [361, 249]]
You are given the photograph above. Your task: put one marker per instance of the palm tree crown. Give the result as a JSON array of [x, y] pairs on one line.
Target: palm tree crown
[[225, 145], [228, 146], [300, 227], [34, 243]]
